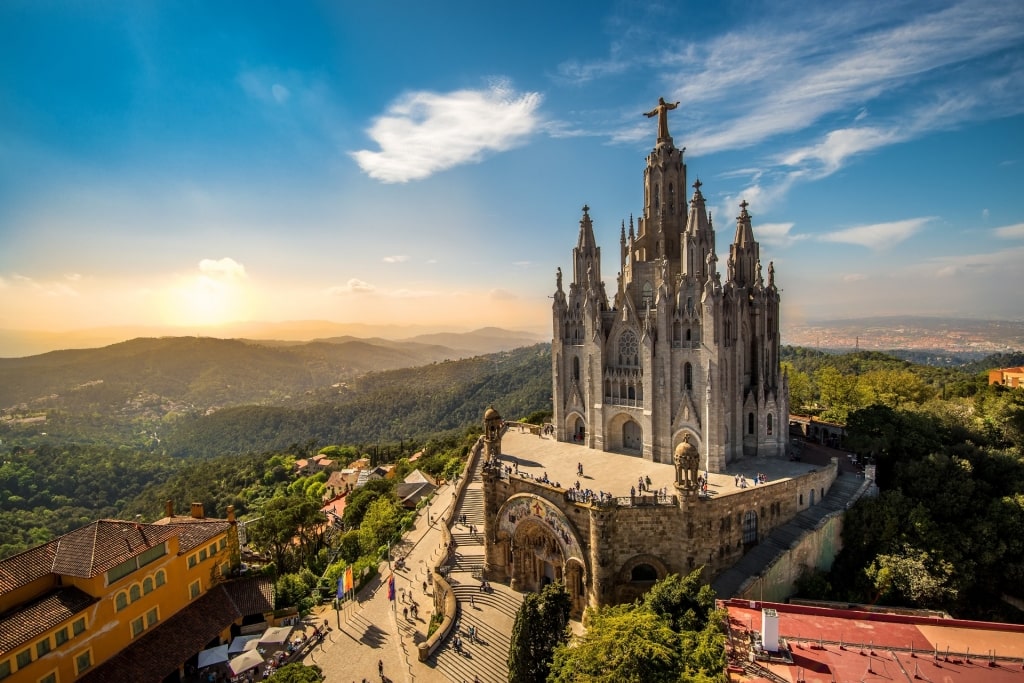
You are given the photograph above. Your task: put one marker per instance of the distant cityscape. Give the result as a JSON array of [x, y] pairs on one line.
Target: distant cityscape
[[956, 336]]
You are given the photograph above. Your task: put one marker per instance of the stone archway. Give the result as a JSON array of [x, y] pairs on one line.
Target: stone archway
[[637, 575], [537, 558], [575, 428], [576, 585], [541, 547], [632, 436], [625, 435]]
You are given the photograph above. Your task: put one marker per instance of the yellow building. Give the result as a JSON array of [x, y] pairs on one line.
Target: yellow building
[[1008, 377], [123, 601]]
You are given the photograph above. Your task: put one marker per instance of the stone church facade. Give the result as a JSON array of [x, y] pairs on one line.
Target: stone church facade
[[676, 351], [678, 367]]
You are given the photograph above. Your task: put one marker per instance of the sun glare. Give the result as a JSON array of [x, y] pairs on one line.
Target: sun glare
[[203, 300]]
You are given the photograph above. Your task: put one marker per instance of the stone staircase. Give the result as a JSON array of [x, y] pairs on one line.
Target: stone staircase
[[491, 614], [842, 494]]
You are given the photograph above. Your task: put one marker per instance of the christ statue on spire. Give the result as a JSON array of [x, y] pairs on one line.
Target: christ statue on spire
[[661, 111]]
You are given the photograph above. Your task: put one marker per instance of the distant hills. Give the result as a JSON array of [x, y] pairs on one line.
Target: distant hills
[[156, 376], [19, 343]]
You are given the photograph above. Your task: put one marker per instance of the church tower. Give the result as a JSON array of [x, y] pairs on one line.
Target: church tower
[[676, 352]]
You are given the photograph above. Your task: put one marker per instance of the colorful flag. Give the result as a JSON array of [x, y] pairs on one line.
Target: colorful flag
[[349, 583], [391, 587], [341, 588]]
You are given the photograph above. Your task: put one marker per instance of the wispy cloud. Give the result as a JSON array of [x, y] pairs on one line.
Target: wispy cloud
[[225, 268], [396, 258], [776, 234], [423, 133], [353, 286], [1011, 232], [1006, 260], [859, 76], [878, 235], [498, 294]]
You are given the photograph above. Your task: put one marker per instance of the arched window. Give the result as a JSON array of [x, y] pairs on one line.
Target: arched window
[[801, 499], [643, 572], [135, 592], [121, 601], [750, 423], [688, 372], [147, 585], [576, 368], [648, 295], [161, 578], [812, 497], [769, 424], [689, 334]]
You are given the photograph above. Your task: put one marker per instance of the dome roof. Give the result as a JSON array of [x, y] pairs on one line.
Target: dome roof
[[686, 448], [491, 414]]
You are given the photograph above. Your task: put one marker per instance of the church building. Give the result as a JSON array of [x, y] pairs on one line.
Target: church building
[[676, 351]]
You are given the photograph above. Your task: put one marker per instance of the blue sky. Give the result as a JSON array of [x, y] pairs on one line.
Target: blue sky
[[196, 163]]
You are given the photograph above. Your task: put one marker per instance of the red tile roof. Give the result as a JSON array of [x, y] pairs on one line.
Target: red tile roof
[[852, 645], [160, 651], [21, 625], [82, 553]]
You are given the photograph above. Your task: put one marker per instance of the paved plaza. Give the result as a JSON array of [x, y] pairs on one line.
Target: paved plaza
[[615, 473]]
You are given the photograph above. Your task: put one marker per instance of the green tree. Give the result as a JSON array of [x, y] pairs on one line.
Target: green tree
[[623, 644], [683, 601], [285, 520], [801, 392], [893, 387], [297, 673], [912, 576], [360, 499], [840, 393], [380, 524], [540, 626]]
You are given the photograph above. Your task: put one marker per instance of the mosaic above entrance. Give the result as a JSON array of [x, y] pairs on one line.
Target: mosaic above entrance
[[527, 507]]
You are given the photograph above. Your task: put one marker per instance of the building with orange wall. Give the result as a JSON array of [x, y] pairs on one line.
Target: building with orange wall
[[69, 607], [1007, 377]]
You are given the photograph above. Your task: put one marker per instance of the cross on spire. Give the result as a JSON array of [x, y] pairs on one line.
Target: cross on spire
[[744, 205], [697, 184]]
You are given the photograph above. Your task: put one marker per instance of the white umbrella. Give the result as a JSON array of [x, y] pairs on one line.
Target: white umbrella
[[243, 643], [215, 655], [249, 659], [275, 635]]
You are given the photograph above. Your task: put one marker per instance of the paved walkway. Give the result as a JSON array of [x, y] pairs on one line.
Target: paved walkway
[[373, 629]]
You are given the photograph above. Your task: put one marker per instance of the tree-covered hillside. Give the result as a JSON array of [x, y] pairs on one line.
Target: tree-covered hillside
[[385, 406]]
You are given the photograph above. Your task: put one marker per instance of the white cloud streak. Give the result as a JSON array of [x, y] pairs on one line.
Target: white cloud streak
[[396, 258], [224, 269], [423, 133], [1010, 232], [878, 235]]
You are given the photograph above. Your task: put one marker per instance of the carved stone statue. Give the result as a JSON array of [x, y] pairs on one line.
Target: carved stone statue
[[661, 111], [558, 278]]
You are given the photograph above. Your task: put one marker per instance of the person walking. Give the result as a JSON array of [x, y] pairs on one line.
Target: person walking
[[380, 668]]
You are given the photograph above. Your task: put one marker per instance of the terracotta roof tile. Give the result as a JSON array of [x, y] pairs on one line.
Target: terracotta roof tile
[[193, 534], [24, 568], [160, 651], [83, 553], [20, 625], [251, 596]]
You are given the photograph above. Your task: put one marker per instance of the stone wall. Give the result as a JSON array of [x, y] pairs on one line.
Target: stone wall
[[673, 536], [817, 548]]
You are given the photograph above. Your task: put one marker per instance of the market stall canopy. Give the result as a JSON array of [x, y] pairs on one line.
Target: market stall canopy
[[243, 643], [215, 655], [275, 635], [249, 659]]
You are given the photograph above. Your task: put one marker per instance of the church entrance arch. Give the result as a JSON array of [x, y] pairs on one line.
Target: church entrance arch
[[543, 547], [576, 428], [625, 435]]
